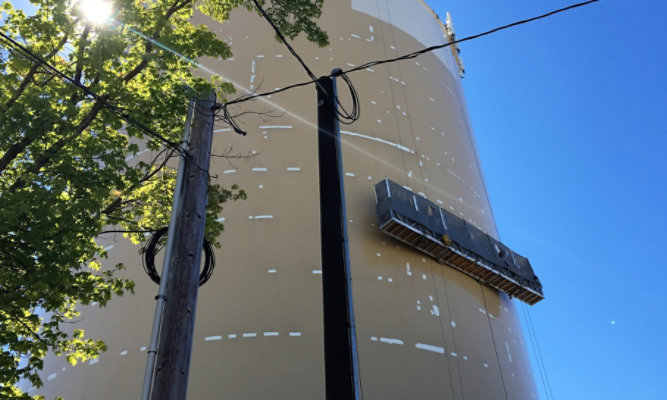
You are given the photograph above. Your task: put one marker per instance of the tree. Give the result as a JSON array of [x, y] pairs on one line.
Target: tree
[[66, 175]]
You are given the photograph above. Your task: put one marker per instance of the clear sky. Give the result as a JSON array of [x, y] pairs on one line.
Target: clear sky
[[568, 115]]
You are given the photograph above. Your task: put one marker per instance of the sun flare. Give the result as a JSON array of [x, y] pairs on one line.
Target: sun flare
[[96, 12]]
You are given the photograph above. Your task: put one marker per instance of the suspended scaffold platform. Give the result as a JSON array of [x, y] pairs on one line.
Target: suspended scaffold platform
[[450, 240]]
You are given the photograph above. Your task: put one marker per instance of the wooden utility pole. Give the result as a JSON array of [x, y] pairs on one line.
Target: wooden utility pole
[[175, 343]]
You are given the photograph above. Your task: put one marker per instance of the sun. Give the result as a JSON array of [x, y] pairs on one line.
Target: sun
[[96, 12]]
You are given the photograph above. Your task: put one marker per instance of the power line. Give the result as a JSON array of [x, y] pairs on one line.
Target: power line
[[414, 54], [8, 41]]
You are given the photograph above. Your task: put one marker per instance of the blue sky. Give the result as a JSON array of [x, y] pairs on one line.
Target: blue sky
[[568, 117]]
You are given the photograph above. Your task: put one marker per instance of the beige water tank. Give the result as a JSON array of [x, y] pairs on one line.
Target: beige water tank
[[424, 330]]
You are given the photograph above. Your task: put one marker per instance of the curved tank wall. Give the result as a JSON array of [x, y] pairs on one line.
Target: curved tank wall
[[424, 330]]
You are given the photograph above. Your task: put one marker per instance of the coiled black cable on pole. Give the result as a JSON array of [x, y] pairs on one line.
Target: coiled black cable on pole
[[148, 261]]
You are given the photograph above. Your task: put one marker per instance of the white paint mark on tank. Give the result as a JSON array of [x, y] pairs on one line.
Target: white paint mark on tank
[[408, 271], [249, 334], [429, 347], [370, 178], [486, 365], [279, 56], [95, 361], [454, 354], [432, 99], [272, 271], [390, 280], [392, 47], [453, 324], [123, 353], [391, 341], [260, 186], [295, 334], [259, 169], [143, 348], [435, 310], [380, 278], [350, 174], [317, 271], [424, 277], [221, 219], [275, 127], [232, 336], [430, 298], [109, 247], [293, 169], [271, 333], [354, 35], [52, 376], [262, 217], [260, 56], [212, 338], [378, 254], [465, 357], [509, 354], [229, 171], [370, 28], [374, 338]]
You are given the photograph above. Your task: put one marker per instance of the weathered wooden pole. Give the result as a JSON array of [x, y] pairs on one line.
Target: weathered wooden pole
[[175, 343]]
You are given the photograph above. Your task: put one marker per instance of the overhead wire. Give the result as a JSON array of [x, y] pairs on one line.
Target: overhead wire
[[13, 44], [412, 55]]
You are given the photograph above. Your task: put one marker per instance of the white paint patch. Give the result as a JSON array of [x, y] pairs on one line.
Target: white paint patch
[[486, 365], [221, 219], [52, 376], [374, 338], [259, 169], [95, 361], [453, 324], [428, 347], [350, 174], [271, 333], [380, 278], [293, 169], [465, 358], [295, 334], [378, 254], [232, 336], [123, 353], [109, 247], [424, 277], [408, 271], [317, 271], [275, 127], [391, 341], [454, 354], [509, 354], [483, 311], [376, 139], [249, 334], [229, 171], [272, 271], [435, 310], [261, 217], [390, 280], [143, 348], [212, 338]]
